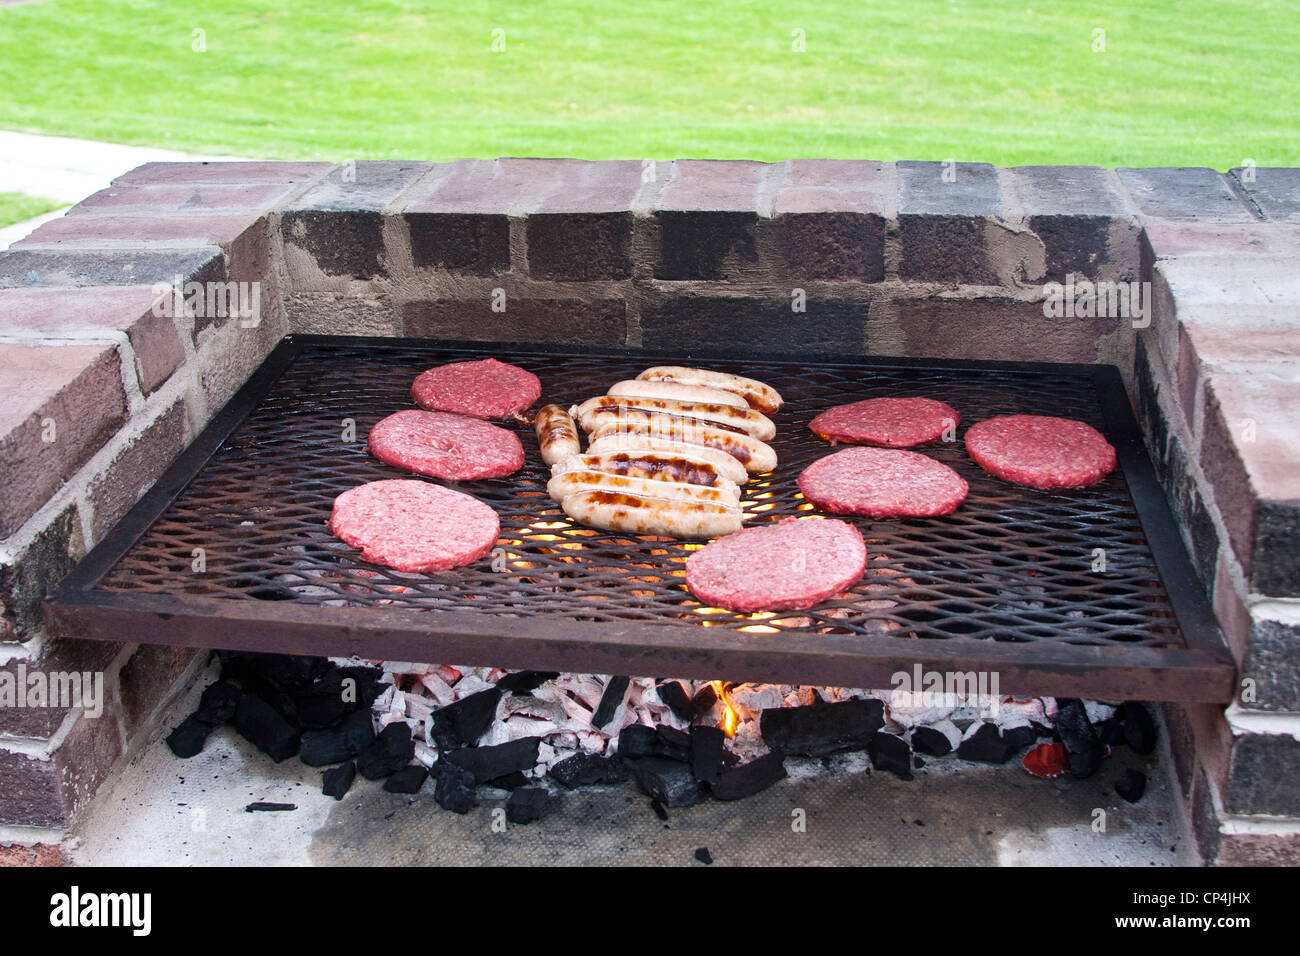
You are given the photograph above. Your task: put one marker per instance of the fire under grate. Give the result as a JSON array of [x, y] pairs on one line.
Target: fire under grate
[[230, 549]]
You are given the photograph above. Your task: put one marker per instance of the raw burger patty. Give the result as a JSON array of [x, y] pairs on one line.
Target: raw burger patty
[[411, 525], [484, 389], [891, 422], [883, 483], [446, 446], [1041, 451], [793, 563]]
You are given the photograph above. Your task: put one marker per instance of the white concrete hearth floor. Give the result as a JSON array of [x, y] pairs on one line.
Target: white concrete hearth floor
[[161, 810]]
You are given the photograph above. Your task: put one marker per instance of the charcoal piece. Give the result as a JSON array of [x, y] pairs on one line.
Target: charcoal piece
[[390, 751], [522, 682], [218, 703], [407, 780], [1138, 727], [323, 747], [614, 693], [327, 701], [667, 780], [263, 807], [638, 740], [454, 790], [822, 728], [369, 682], [488, 763], [1110, 731], [704, 699], [674, 695], [673, 743], [704, 856], [1018, 738], [927, 740], [287, 671], [337, 781], [265, 728], [1132, 785], [526, 805], [986, 745], [891, 753], [582, 770], [461, 724], [188, 739], [511, 781], [751, 778], [707, 744], [658, 807], [918, 763], [1076, 732]]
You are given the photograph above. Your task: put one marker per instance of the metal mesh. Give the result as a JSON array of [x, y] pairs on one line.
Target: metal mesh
[[1012, 564]]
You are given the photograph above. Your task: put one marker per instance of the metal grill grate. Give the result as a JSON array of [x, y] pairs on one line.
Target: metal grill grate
[[1007, 583]]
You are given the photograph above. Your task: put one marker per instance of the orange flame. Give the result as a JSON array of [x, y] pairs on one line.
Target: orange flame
[[730, 720]]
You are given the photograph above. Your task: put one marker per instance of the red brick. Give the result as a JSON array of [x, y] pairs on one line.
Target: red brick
[[48, 793], [556, 186], [26, 577], [1256, 484], [1259, 849], [136, 468], [40, 855], [223, 172], [68, 313], [835, 186], [148, 678], [183, 198], [89, 232], [80, 389], [1231, 611], [467, 187], [712, 186], [987, 329], [845, 246], [1176, 238]]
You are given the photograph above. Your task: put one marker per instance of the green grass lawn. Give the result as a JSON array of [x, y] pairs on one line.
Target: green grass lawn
[[18, 207], [1195, 82]]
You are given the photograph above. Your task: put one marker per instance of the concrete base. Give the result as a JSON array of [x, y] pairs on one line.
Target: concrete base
[[161, 810]]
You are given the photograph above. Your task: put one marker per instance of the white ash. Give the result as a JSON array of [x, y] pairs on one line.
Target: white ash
[[560, 712], [949, 730]]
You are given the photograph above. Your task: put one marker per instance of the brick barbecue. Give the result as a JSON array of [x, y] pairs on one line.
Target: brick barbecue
[[945, 261]]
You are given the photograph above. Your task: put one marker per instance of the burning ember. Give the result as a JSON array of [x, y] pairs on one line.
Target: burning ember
[[484, 733]]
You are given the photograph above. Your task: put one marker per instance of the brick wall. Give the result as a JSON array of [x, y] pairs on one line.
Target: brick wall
[[931, 259]]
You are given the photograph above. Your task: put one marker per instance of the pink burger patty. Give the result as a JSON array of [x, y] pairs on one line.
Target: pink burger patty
[[891, 422], [483, 389], [1041, 451], [883, 483], [447, 446], [411, 525], [792, 563]]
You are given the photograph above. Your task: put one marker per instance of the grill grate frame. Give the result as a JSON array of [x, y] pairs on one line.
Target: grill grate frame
[[1004, 584]]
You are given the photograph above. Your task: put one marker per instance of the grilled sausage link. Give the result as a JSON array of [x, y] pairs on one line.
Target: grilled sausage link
[[757, 395], [574, 482], [756, 456], [556, 434], [639, 514], [619, 441], [637, 388], [726, 416], [653, 465]]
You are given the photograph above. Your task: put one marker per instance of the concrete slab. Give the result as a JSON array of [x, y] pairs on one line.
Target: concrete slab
[[161, 810]]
